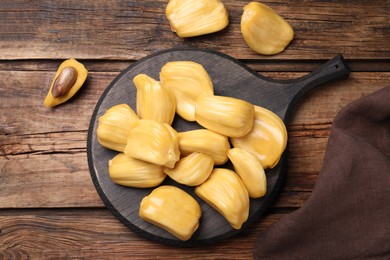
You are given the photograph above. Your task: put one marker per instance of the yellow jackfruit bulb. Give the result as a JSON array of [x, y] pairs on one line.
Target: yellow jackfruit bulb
[[114, 127], [127, 171], [226, 193], [250, 170], [225, 115], [153, 142], [69, 78], [205, 141], [190, 18], [187, 80], [153, 100], [264, 30], [267, 139], [191, 170], [173, 210]]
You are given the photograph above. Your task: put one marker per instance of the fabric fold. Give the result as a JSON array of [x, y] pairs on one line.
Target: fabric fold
[[348, 213]]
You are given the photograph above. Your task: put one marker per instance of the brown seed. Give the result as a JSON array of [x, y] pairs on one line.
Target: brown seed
[[64, 82]]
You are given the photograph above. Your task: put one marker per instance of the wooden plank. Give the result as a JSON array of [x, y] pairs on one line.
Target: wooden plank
[[43, 151], [23, 91], [259, 65], [44, 154], [58, 30], [58, 180], [43, 181], [64, 181], [321, 105], [96, 234]]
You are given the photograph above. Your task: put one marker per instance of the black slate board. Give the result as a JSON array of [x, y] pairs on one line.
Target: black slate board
[[230, 78]]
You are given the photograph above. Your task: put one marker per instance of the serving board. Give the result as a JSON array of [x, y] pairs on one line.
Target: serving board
[[230, 78]]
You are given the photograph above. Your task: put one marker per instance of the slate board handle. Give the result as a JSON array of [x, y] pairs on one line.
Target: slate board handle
[[333, 69]]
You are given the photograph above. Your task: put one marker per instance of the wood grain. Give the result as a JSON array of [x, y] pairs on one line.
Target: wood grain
[[85, 234], [86, 30], [49, 208], [30, 142], [261, 65], [25, 90]]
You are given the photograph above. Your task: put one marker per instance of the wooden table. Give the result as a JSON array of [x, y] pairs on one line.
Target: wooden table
[[49, 207]]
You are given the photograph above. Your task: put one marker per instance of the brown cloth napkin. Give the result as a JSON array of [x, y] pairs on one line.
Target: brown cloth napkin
[[348, 214]]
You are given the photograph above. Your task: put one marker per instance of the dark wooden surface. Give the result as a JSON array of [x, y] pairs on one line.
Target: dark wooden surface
[[49, 207]]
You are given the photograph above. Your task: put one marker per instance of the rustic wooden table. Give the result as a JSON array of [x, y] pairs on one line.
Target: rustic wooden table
[[49, 207]]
